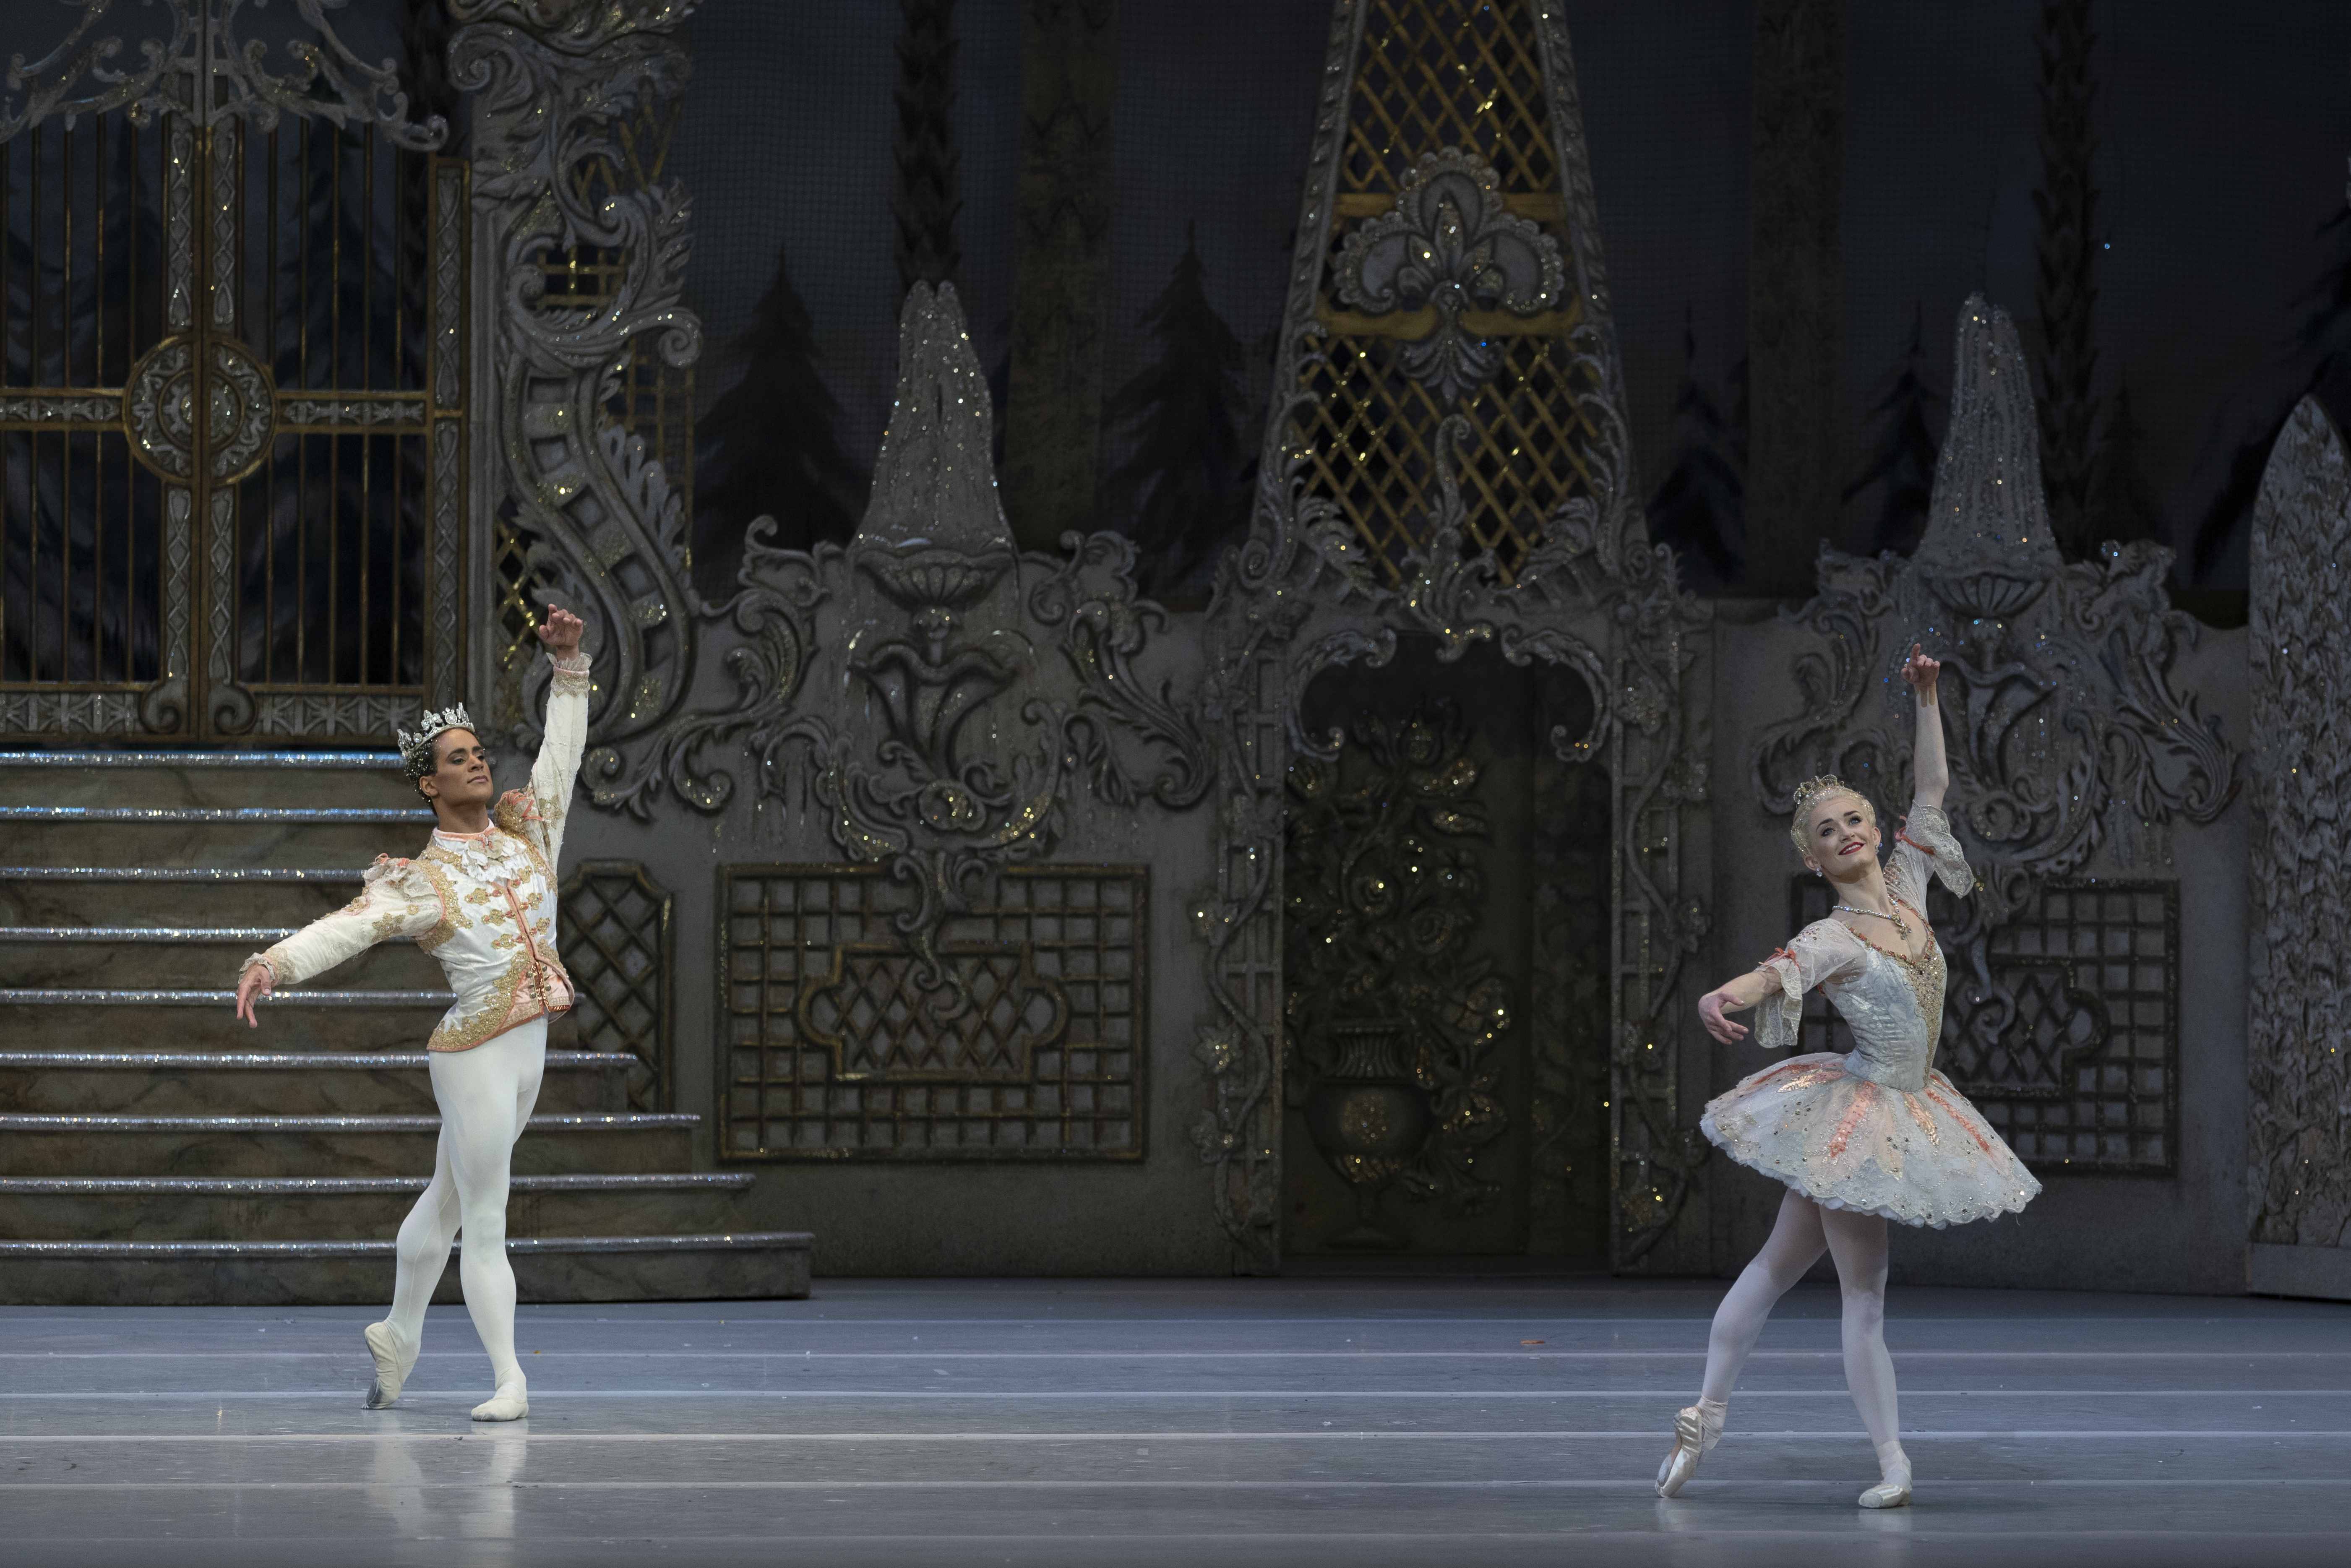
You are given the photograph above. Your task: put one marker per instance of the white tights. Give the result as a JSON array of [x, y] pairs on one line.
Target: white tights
[[486, 1096], [1857, 1242]]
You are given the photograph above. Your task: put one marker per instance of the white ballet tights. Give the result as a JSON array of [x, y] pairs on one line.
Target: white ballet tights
[[1857, 1242], [486, 1096]]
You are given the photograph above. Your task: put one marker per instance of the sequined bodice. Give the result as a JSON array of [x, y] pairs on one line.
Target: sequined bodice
[[1895, 1012]]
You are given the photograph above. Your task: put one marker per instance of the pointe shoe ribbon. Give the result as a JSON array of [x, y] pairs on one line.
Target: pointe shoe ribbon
[[1697, 1429], [394, 1362]]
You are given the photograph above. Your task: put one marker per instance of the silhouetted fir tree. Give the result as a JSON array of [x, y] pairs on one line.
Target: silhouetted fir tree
[[2065, 291], [926, 193], [1901, 465], [2123, 507], [1700, 508], [1186, 487], [2321, 355], [767, 447]]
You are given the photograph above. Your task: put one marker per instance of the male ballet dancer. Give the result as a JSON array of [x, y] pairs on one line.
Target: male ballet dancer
[[481, 898]]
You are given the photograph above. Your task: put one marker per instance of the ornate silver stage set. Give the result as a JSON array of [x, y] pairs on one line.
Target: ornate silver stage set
[[956, 902]]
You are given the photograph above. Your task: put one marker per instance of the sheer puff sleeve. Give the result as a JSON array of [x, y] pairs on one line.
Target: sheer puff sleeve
[[396, 901], [1818, 954], [1923, 849]]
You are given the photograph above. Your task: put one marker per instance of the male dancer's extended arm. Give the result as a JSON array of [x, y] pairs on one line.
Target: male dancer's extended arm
[[389, 908]]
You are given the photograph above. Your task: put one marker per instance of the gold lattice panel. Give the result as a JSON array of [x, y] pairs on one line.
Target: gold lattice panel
[[838, 1043], [1432, 75], [516, 617], [1448, 73], [1367, 438]]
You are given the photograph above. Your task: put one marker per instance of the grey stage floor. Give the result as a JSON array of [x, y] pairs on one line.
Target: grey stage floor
[[1133, 1424]]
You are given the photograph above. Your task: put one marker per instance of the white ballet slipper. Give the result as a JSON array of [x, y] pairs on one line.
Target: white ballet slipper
[[1697, 1429], [1894, 1492], [510, 1403], [394, 1362]]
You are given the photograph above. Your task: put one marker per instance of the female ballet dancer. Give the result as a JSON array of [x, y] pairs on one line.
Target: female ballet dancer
[[481, 898], [1861, 1138]]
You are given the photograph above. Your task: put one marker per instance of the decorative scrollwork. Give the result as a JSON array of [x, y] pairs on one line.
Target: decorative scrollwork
[[159, 412], [554, 81], [72, 408], [201, 68], [1449, 248], [942, 720], [1104, 627], [353, 413]]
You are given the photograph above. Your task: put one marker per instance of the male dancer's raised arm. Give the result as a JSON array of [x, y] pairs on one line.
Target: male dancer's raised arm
[[565, 738]]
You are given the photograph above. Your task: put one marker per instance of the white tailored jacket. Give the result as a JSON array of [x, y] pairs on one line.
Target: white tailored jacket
[[482, 903]]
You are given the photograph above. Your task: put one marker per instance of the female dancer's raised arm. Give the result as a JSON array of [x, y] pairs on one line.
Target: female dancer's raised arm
[[1930, 770]]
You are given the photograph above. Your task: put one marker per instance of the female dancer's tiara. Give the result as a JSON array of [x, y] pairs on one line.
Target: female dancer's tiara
[[1812, 790]]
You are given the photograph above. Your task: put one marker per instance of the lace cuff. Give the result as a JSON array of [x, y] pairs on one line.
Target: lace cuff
[[1780, 1017], [571, 674], [263, 959], [1928, 830]]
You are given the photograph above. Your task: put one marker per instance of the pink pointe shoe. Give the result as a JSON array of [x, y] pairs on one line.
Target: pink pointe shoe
[[1697, 1429]]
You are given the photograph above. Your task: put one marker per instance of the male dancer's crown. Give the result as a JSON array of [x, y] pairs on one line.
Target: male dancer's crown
[[435, 721]]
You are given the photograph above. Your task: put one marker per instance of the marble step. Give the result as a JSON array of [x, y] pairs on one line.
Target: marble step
[[261, 1145], [189, 896], [314, 1018], [153, 955], [220, 780], [755, 1265], [342, 1208], [202, 1082], [192, 840]]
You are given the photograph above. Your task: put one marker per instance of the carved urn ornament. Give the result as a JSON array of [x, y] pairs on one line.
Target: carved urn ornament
[[1369, 1117]]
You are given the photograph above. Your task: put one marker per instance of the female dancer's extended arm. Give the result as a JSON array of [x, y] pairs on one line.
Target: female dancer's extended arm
[[1734, 996], [1930, 770]]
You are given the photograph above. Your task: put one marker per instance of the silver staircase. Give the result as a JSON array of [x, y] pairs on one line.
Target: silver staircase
[[154, 1150]]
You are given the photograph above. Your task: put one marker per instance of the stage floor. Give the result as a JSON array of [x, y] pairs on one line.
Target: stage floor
[[1300, 1422]]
